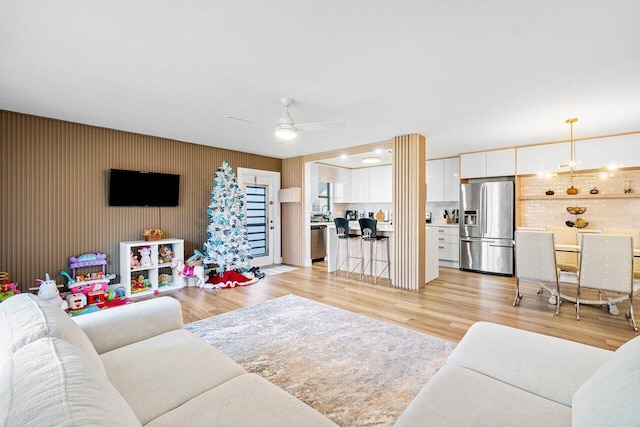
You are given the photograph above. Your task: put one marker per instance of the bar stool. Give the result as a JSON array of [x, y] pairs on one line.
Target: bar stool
[[368, 227], [342, 232]]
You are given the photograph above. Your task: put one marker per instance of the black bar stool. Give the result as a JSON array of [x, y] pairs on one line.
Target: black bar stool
[[368, 227], [342, 231]]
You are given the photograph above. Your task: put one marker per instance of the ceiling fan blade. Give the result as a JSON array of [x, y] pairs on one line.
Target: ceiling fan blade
[[245, 120], [319, 126]]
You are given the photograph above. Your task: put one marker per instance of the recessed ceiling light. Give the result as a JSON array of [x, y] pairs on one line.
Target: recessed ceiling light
[[371, 159], [343, 157]]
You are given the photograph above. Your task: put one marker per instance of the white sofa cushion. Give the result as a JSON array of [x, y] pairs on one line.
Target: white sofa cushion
[[131, 322], [247, 400], [550, 367], [53, 383], [457, 396], [163, 372], [612, 394], [24, 318]]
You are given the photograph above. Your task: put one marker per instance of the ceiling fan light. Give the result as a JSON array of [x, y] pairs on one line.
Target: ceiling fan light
[[286, 133]]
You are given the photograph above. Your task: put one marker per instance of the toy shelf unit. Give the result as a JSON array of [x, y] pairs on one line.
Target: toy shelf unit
[[136, 261]]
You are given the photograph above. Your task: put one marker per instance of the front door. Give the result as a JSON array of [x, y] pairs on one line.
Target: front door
[[262, 214]]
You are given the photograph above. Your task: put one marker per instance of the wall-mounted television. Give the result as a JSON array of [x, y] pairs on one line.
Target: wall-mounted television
[[140, 188]]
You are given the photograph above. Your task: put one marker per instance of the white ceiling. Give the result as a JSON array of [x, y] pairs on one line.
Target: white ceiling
[[469, 75]]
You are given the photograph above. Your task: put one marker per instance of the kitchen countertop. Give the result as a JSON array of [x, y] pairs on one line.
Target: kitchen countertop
[[443, 225]]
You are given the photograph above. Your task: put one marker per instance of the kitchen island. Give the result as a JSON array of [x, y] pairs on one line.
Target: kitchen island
[[383, 229]]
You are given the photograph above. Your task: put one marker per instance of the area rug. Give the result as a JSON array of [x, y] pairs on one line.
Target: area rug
[[355, 370], [270, 271]]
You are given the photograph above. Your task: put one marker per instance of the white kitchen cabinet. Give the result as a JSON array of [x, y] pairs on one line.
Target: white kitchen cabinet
[[443, 181], [543, 158], [387, 183], [451, 178], [448, 238], [341, 185], [435, 180], [488, 164], [501, 162], [374, 193], [473, 165], [619, 151], [360, 185]]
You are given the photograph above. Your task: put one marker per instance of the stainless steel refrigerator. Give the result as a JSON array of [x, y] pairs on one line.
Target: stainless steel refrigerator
[[486, 227]]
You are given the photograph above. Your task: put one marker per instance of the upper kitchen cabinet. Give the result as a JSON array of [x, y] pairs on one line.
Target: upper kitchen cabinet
[[341, 185], [543, 158], [451, 175], [443, 181], [360, 185], [488, 164], [387, 184], [619, 151], [435, 180]]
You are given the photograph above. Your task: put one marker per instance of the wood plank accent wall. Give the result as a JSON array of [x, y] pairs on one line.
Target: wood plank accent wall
[[294, 243], [54, 186], [409, 193]]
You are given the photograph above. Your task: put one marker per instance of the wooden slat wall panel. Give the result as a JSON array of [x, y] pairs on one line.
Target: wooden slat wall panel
[[409, 164], [293, 214], [53, 191]]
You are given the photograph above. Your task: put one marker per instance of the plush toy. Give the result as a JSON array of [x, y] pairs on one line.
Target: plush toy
[[145, 257], [165, 254], [133, 260], [48, 291]]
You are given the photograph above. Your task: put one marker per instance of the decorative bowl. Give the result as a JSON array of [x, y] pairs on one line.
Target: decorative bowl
[[575, 210], [581, 223]]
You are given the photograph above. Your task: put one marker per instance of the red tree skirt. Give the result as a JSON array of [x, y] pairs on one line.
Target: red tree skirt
[[229, 279]]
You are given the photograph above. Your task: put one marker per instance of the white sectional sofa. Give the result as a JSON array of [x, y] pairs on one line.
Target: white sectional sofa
[[127, 366], [501, 376]]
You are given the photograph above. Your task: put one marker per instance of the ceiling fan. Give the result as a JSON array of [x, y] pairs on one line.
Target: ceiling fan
[[286, 128]]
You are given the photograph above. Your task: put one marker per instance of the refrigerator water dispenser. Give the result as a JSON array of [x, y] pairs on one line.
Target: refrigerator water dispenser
[[470, 218]]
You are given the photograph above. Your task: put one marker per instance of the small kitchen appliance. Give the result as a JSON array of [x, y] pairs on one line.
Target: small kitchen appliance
[[351, 215]]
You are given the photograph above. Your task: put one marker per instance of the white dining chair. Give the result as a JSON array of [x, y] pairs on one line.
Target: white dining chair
[[635, 233], [606, 264], [566, 236], [536, 261]]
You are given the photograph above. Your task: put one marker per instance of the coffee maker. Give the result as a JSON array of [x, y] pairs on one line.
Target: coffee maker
[[351, 215]]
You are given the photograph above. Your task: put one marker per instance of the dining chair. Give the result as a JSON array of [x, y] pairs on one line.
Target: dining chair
[[565, 236], [606, 264], [536, 261], [635, 233]]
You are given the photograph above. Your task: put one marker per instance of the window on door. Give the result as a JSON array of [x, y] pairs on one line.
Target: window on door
[[257, 220]]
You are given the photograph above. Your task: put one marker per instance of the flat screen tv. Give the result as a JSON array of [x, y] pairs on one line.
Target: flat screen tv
[[140, 188]]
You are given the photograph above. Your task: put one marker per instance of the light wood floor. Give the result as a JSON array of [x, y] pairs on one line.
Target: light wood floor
[[445, 308]]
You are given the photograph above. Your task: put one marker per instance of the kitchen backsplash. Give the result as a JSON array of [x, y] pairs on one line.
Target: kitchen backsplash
[[340, 208], [600, 213], [437, 210]]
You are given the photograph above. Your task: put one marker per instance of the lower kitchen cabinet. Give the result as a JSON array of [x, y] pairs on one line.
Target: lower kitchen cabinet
[[448, 245]]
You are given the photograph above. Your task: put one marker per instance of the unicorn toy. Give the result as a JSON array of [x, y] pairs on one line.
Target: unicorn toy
[[48, 291]]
